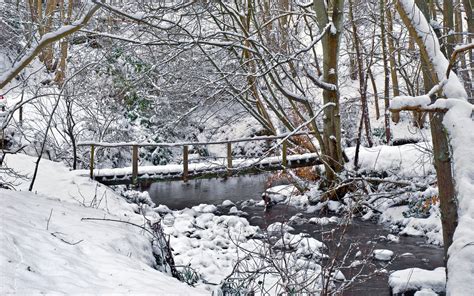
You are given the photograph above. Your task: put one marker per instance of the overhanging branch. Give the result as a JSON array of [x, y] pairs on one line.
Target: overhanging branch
[[44, 41]]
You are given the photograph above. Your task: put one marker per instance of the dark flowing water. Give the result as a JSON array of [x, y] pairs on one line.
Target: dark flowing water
[[369, 235], [179, 195]]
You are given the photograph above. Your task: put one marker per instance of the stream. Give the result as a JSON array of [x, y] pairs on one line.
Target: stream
[[409, 251]]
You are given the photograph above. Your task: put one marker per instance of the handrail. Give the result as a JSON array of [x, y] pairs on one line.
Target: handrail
[[129, 144], [185, 146]]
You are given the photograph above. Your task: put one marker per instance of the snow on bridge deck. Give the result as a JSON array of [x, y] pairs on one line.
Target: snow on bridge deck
[[208, 169]]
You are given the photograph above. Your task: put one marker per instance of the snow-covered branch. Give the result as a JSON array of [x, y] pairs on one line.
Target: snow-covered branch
[[430, 48], [43, 42], [425, 104]]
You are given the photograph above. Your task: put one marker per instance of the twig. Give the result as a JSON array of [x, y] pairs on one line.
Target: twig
[[65, 241], [49, 219], [119, 221]]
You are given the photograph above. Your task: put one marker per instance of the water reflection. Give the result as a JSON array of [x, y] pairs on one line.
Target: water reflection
[[179, 195]]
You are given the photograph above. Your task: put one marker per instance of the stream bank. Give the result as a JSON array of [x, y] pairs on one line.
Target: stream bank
[[244, 192]]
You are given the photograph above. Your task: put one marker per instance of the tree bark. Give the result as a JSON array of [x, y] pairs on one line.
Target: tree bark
[[468, 76], [386, 93], [391, 56], [448, 24], [331, 45], [361, 76], [64, 44], [442, 161]]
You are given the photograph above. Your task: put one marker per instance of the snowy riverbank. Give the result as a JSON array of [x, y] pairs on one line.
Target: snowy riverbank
[[110, 257], [46, 248]]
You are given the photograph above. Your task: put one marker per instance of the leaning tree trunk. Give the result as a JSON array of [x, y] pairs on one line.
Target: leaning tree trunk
[[442, 160]]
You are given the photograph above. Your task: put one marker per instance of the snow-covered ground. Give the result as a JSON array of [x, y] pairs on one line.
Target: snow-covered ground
[[407, 161], [99, 257], [47, 248]]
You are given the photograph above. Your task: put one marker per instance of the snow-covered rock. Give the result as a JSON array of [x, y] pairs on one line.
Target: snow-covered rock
[[278, 227], [297, 219], [314, 195], [428, 227], [367, 216], [334, 206], [383, 255], [393, 238], [227, 203], [303, 244], [205, 208], [233, 211], [416, 279], [324, 220], [208, 243], [426, 292]]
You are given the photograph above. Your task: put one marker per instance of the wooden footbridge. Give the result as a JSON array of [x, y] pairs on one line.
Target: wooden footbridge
[[278, 157]]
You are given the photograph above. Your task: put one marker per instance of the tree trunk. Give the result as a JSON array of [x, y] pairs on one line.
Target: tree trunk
[[391, 56], [361, 76], [448, 24], [48, 52], [63, 45], [332, 119], [447, 194], [376, 95], [428, 82], [386, 93], [468, 10]]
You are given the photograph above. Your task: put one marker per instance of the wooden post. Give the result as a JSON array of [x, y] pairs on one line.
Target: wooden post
[[134, 164], [283, 153], [229, 158], [92, 162], [185, 163]]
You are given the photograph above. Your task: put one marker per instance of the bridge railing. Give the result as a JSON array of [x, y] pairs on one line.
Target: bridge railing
[[185, 146]]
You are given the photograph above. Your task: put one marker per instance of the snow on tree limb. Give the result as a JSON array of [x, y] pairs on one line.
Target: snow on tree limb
[[425, 104], [43, 42], [430, 48], [457, 50], [459, 124]]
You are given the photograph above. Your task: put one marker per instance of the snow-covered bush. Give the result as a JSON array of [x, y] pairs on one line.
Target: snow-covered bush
[[138, 197]]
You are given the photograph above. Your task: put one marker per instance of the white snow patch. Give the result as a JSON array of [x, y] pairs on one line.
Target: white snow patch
[[418, 279], [279, 227], [46, 248], [227, 203], [409, 160], [383, 255]]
